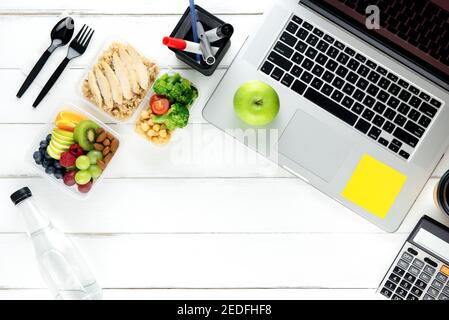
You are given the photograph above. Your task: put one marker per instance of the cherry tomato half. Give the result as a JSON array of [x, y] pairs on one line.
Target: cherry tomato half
[[155, 97], [160, 107]]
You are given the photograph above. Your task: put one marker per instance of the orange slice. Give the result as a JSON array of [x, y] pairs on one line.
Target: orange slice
[[67, 120]]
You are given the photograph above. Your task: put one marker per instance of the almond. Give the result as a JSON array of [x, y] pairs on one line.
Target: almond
[[106, 151], [106, 142], [109, 136], [101, 164], [98, 146], [101, 130], [114, 145], [101, 137], [108, 158]]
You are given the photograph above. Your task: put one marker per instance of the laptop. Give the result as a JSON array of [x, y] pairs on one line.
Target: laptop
[[364, 90]]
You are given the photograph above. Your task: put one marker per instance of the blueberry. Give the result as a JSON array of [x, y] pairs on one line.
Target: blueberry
[[37, 156], [47, 156], [48, 138], [47, 162], [43, 143], [59, 174], [43, 151], [50, 170], [57, 165], [38, 162]]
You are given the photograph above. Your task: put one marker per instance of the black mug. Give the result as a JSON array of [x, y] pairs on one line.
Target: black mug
[[441, 193]]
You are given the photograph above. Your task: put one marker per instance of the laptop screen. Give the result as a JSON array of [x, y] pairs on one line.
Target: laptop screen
[[417, 30]]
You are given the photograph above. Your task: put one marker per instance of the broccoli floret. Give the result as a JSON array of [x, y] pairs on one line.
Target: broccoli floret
[[176, 89], [176, 117]]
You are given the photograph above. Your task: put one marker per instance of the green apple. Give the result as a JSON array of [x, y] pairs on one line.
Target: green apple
[[256, 103], [60, 144], [62, 135]]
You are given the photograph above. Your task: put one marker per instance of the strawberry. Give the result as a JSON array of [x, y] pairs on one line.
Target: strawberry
[[67, 160], [76, 150]]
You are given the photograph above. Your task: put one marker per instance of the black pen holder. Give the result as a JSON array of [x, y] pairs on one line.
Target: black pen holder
[[183, 30]]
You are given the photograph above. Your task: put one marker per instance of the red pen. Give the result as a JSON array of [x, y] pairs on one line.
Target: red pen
[[184, 45]]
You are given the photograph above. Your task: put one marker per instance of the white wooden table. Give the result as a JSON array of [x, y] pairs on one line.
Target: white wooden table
[[167, 227]]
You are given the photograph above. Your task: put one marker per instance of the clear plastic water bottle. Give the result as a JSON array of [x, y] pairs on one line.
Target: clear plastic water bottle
[[61, 264]]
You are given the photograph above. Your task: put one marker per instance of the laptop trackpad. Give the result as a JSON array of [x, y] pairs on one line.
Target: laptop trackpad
[[314, 145]]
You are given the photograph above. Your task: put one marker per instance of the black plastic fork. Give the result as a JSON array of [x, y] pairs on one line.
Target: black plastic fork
[[77, 48]]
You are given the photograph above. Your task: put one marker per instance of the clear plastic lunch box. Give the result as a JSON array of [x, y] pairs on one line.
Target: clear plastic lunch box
[[93, 106], [72, 191]]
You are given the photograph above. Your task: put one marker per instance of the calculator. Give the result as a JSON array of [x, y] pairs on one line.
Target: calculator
[[421, 269]]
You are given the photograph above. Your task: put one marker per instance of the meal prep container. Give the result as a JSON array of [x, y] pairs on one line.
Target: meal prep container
[[183, 30], [93, 106], [72, 191]]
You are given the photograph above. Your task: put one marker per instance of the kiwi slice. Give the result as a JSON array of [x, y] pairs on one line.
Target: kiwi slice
[[85, 134]]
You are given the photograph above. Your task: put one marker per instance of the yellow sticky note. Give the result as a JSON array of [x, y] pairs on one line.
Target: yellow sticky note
[[374, 186]]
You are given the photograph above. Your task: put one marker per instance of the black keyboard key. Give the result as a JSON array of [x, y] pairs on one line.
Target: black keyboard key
[[404, 154], [299, 87], [361, 58], [435, 103], [297, 19], [378, 121], [398, 271], [392, 77], [390, 114], [397, 143], [428, 110], [385, 143], [414, 115], [302, 34], [342, 71], [403, 108], [287, 80], [322, 46], [306, 77], [358, 95], [292, 27], [414, 90], [424, 96], [301, 46], [307, 25], [369, 101], [318, 32], [389, 127], [321, 59], [277, 74], [371, 64], [267, 67], [400, 120], [384, 83], [414, 129], [368, 114], [312, 40], [339, 45], [358, 108], [307, 64], [374, 133], [328, 76], [316, 83], [296, 71], [390, 285], [328, 38], [297, 58], [343, 58], [347, 102], [393, 102], [289, 39], [363, 71], [383, 96], [382, 71], [424, 121], [373, 77], [405, 137], [404, 84], [330, 106], [280, 61], [352, 77], [338, 82], [332, 52], [415, 102], [372, 90], [362, 83], [385, 292], [394, 89], [283, 49], [349, 51], [331, 65], [327, 89], [337, 96], [318, 70], [405, 95], [348, 89], [311, 53]]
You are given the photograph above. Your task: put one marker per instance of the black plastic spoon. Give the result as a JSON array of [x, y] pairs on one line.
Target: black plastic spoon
[[60, 35]]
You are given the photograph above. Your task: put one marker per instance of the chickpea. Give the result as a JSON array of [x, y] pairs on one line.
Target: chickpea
[[151, 133], [150, 122], [144, 115], [145, 127], [163, 133], [163, 126], [156, 127], [155, 140]]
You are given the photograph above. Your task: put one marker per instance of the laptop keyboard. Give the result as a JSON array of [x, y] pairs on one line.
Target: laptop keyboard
[[351, 87]]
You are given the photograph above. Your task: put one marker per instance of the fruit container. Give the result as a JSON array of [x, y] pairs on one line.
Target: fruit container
[[160, 131], [74, 151], [108, 69]]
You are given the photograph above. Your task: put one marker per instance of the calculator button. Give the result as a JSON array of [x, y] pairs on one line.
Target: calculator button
[[411, 297], [387, 293], [410, 277], [418, 263], [416, 291], [412, 251], [401, 292], [399, 271], [429, 270], [445, 270], [406, 285], [446, 290], [437, 284], [394, 278], [403, 264], [425, 277], [443, 297], [431, 262], [396, 297], [433, 292], [427, 297], [407, 257], [421, 284], [441, 277], [413, 270], [390, 285]]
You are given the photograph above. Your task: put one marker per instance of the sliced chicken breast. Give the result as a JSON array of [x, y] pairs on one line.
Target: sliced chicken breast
[[93, 86], [122, 75], [116, 90], [141, 69], [104, 86], [128, 63]]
